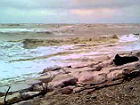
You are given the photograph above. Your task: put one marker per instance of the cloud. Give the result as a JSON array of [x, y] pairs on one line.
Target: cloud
[[106, 3], [109, 15], [98, 13], [72, 11], [65, 4]]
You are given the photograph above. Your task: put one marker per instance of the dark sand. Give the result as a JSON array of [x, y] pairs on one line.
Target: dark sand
[[123, 94]]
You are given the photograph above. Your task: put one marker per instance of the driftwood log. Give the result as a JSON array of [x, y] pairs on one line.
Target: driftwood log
[[118, 60]]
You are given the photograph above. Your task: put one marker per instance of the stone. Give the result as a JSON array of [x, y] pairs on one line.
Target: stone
[[137, 54], [93, 64], [66, 90], [52, 74], [124, 71], [88, 91], [96, 68], [51, 69], [78, 89], [45, 78], [40, 88], [117, 74], [93, 96], [27, 102], [50, 94], [88, 86], [110, 83], [78, 66], [27, 95], [91, 78], [85, 76], [118, 60], [100, 78], [135, 33], [129, 89], [37, 87], [131, 75], [62, 81]]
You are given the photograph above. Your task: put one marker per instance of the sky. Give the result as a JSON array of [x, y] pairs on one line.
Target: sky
[[69, 11]]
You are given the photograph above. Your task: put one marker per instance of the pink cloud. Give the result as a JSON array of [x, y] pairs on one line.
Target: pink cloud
[[95, 13]]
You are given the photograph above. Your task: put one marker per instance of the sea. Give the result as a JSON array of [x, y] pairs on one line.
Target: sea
[[16, 62]]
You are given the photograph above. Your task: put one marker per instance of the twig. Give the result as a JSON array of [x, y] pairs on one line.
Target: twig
[[5, 103]]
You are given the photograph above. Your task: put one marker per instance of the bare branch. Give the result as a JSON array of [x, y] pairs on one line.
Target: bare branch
[[5, 103]]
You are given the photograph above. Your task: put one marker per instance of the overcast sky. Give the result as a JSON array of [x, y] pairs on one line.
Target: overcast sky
[[69, 11]]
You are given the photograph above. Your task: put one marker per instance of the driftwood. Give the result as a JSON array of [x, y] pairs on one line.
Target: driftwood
[[118, 60], [22, 97], [41, 93], [5, 102]]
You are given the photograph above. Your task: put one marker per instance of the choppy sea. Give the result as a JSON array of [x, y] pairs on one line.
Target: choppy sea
[[13, 67]]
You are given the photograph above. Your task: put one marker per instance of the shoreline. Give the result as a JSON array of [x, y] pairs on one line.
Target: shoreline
[[59, 81], [70, 46], [91, 73], [85, 90]]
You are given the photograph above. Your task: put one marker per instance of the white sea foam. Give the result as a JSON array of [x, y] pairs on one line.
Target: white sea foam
[[15, 61], [18, 30], [129, 38], [17, 70]]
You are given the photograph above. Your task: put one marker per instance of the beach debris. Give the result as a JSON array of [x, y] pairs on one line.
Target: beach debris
[[78, 89], [66, 90], [21, 96], [5, 103], [136, 34], [118, 60], [10, 99]]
